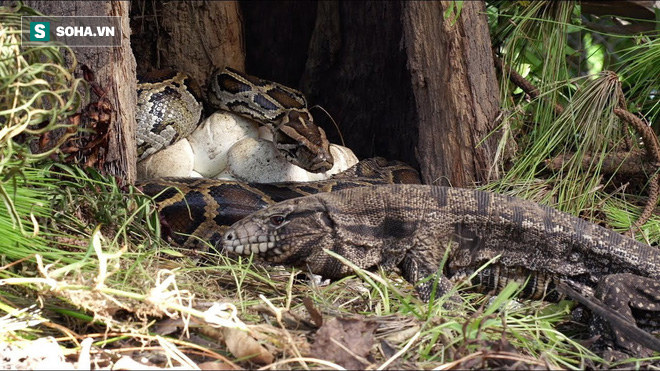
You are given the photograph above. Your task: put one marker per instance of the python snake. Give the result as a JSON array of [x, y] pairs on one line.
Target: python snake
[[193, 210], [169, 109], [198, 210]]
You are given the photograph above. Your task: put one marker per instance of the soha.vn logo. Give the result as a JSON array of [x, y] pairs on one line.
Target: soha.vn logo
[[40, 31]]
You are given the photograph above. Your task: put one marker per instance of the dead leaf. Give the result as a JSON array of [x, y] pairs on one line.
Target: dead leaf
[[168, 326], [242, 345], [215, 365], [346, 342]]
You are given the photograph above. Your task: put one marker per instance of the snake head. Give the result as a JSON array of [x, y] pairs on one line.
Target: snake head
[[303, 143], [282, 109]]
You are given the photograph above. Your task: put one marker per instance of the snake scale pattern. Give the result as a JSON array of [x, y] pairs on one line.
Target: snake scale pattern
[[193, 210], [170, 108], [282, 109], [198, 210]]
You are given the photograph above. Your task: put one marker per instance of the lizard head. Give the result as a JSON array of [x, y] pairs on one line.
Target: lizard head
[[286, 233]]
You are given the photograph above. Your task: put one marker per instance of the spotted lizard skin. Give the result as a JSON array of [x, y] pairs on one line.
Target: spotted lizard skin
[[408, 228]]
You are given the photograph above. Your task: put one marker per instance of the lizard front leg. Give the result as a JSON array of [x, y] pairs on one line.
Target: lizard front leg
[[422, 259], [415, 272]]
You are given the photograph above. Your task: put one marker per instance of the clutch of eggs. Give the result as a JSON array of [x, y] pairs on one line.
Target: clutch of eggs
[[228, 146]]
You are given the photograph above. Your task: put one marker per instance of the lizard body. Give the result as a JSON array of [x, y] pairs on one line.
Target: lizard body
[[410, 227]]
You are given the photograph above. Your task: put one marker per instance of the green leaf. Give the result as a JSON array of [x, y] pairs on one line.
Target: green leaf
[[171, 252]]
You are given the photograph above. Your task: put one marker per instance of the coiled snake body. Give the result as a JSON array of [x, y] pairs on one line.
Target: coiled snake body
[[169, 109], [198, 209]]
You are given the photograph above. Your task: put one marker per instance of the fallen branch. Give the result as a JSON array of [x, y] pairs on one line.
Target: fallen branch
[[653, 151], [654, 191], [628, 163], [645, 131], [522, 83]]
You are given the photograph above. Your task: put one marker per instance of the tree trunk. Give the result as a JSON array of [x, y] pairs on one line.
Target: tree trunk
[[114, 70], [193, 37], [456, 92], [277, 38], [399, 79]]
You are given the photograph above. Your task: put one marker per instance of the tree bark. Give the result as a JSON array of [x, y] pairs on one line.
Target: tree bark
[[356, 70], [456, 92], [114, 70], [399, 79], [193, 37]]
